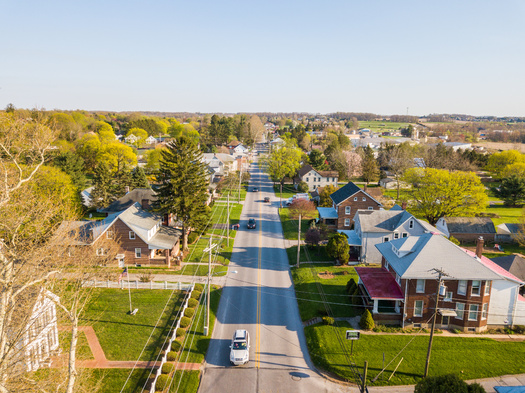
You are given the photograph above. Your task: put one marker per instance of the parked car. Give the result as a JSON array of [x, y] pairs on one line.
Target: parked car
[[255, 189], [240, 347], [267, 199], [297, 196], [251, 224]]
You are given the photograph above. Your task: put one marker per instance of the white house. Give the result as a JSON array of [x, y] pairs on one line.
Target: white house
[[131, 139], [150, 140], [315, 178]]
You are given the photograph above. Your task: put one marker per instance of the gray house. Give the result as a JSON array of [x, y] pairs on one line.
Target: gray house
[[378, 226]]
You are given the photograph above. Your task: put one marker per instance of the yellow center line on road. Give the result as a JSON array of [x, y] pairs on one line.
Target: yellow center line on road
[[258, 322]]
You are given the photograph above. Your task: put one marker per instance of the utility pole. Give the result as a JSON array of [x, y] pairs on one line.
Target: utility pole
[[299, 242], [240, 180], [208, 249], [365, 371], [441, 274]]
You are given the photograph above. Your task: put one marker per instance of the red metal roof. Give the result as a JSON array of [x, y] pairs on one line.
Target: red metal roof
[[379, 283], [494, 266]]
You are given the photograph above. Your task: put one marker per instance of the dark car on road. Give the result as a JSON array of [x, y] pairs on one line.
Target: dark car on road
[[255, 189], [267, 199], [251, 223]]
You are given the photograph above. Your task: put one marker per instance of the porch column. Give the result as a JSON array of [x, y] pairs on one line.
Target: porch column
[[375, 309], [168, 258], [397, 306]]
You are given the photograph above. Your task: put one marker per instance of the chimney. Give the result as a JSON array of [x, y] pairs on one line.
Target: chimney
[[479, 247], [404, 205]]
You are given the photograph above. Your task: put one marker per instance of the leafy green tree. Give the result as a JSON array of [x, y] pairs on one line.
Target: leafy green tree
[[118, 156], [66, 125], [183, 185], [139, 179], [141, 135], [441, 384], [147, 124], [338, 247], [317, 160], [153, 157], [283, 162], [397, 159], [102, 194], [324, 195], [89, 148], [369, 166], [438, 193], [367, 321], [517, 168], [72, 164], [512, 190], [498, 161], [302, 187]]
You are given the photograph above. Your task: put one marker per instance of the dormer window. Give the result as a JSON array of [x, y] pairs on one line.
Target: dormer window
[[411, 224]]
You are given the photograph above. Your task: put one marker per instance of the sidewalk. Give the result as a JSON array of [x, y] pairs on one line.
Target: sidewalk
[[217, 280]]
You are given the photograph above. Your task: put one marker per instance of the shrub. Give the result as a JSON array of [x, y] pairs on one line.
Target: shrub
[[167, 368], [476, 388], [193, 303], [162, 382], [146, 277], [356, 297], [195, 294], [180, 332], [172, 356], [189, 312], [441, 384], [350, 286], [192, 237], [367, 322], [454, 240], [185, 321], [328, 320], [198, 287], [519, 329], [302, 187], [176, 346]]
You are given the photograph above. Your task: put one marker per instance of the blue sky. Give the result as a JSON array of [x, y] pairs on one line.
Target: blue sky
[[279, 56]]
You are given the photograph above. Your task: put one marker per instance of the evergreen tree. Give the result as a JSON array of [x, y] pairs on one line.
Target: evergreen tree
[[102, 194], [370, 168], [512, 190], [183, 186], [73, 165], [139, 178], [366, 322], [122, 182]]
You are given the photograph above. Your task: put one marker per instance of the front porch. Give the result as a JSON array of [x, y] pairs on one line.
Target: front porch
[[355, 245], [381, 294], [328, 216]]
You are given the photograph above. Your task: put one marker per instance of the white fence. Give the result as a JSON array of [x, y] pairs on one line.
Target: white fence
[[125, 284], [172, 337]]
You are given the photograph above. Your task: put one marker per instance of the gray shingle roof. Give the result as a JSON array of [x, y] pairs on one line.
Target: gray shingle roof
[[513, 264], [382, 220], [418, 255], [165, 238], [137, 195], [470, 225], [344, 193]]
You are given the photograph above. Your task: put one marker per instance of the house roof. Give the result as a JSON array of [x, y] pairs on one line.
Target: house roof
[[514, 264], [508, 228], [344, 193], [327, 212], [379, 283], [135, 196], [165, 238], [470, 225], [135, 216], [307, 168], [353, 239], [382, 220], [415, 257], [234, 143]]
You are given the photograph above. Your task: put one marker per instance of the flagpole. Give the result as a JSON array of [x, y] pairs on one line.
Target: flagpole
[[129, 293]]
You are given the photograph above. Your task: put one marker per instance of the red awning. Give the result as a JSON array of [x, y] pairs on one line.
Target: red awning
[[379, 283]]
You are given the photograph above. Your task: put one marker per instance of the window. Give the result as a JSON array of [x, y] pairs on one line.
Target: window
[[476, 288], [473, 312], [355, 199], [348, 209], [347, 222], [484, 311], [460, 310], [307, 179], [487, 287], [138, 252], [411, 224], [462, 287], [386, 239], [417, 325], [418, 308], [364, 199], [131, 235], [448, 296], [101, 252], [396, 235], [398, 279], [370, 208], [109, 234], [405, 234], [386, 265], [420, 286]]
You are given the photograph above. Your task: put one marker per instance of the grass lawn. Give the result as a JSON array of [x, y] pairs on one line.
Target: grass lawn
[[123, 336], [83, 351], [288, 191], [308, 298], [374, 125], [234, 194], [291, 226], [316, 254], [471, 358], [506, 214]]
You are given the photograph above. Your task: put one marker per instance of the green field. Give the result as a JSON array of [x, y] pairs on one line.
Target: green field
[[379, 126], [470, 358], [291, 226]]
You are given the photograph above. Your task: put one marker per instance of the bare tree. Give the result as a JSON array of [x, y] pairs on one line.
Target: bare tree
[[298, 209]]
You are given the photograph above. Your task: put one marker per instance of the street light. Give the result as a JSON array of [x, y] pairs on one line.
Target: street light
[[207, 325]]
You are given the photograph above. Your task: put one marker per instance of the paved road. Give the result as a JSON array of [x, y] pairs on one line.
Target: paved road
[[261, 299]]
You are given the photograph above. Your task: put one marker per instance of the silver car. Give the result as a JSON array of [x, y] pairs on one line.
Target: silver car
[[240, 347]]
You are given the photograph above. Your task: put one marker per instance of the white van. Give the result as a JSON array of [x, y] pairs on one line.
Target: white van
[[297, 196]]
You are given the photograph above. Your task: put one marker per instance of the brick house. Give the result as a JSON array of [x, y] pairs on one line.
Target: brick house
[[315, 178], [478, 293], [143, 237], [345, 203]]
